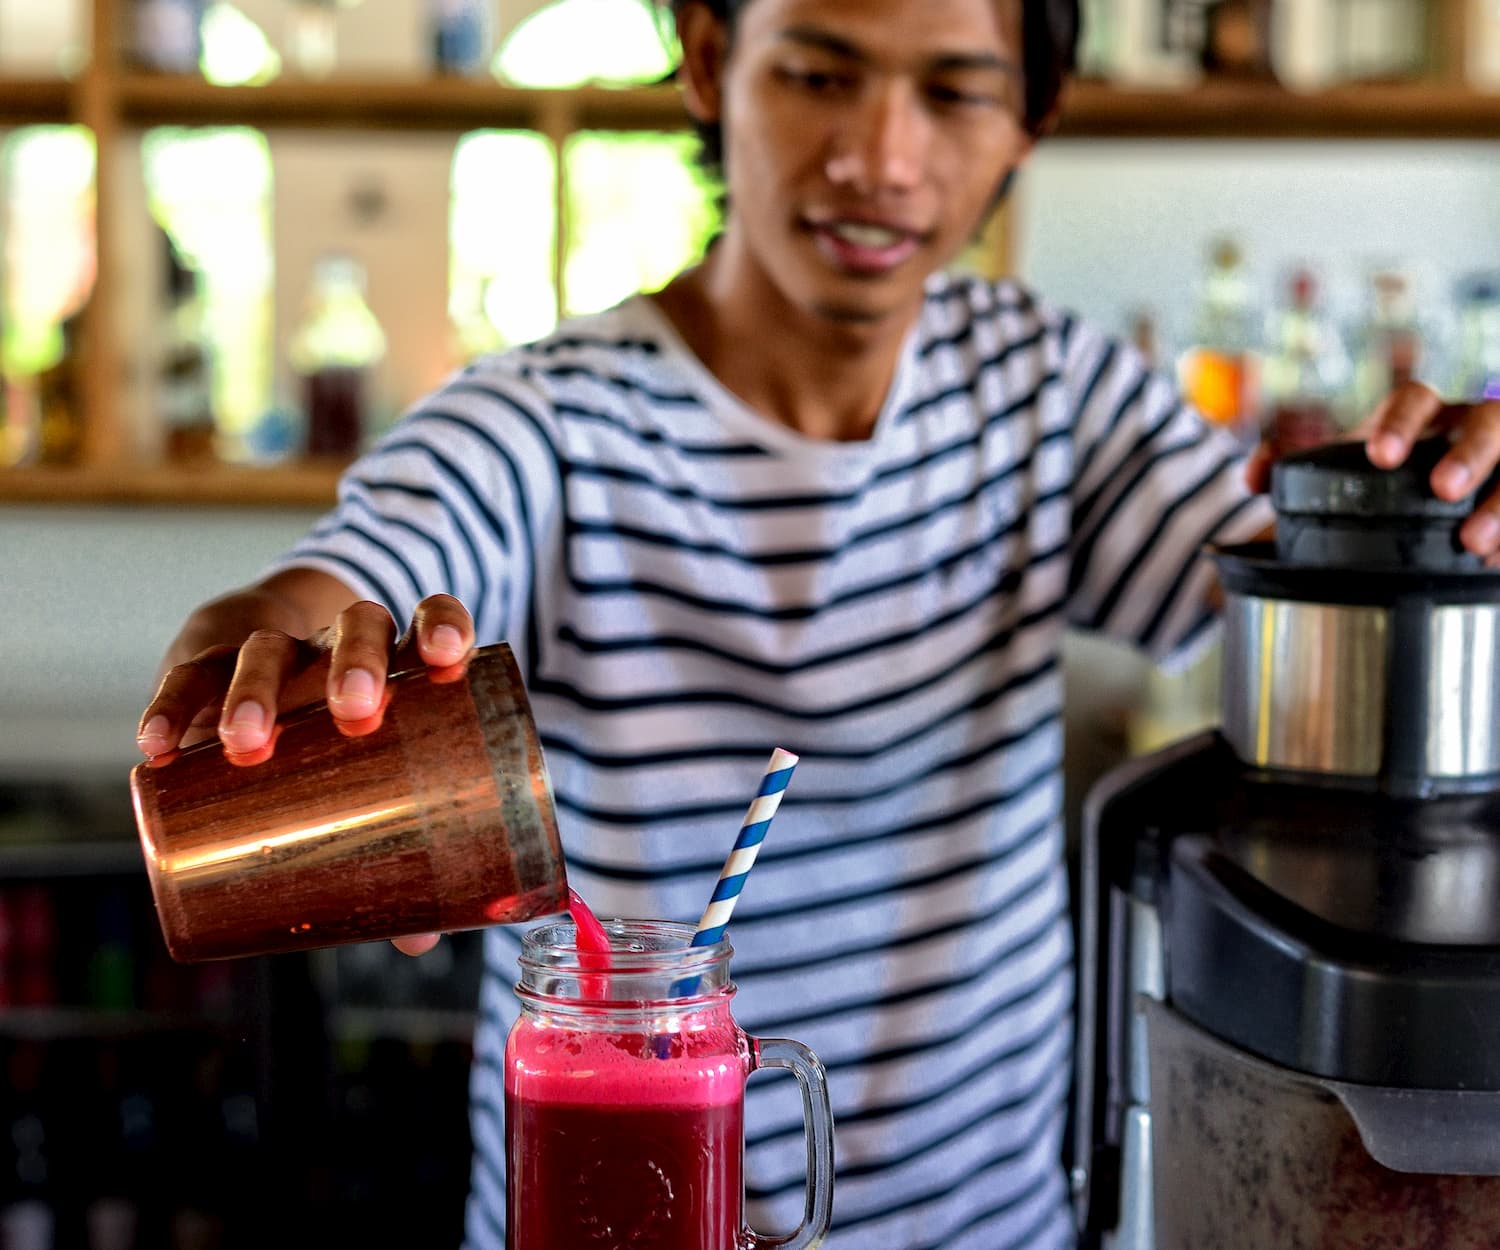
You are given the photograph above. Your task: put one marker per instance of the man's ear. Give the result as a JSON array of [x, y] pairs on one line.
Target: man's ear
[[705, 47]]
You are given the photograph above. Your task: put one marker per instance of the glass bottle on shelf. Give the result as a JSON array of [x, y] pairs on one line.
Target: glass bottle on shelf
[[1217, 372], [168, 35], [1145, 335], [111, 974], [1381, 40], [1478, 347], [334, 351], [1237, 41], [1304, 50], [1389, 342], [59, 418], [34, 957], [312, 37], [460, 36], [1144, 42], [1482, 44], [1306, 372], [185, 382]]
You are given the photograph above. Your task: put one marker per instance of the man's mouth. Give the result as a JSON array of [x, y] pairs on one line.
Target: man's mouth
[[863, 246]]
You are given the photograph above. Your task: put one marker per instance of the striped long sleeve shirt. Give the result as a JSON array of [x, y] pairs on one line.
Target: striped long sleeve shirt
[[688, 584]]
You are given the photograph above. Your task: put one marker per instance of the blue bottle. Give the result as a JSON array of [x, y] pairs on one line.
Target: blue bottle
[[460, 36]]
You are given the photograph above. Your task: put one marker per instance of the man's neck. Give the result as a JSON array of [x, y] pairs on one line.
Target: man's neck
[[825, 378]]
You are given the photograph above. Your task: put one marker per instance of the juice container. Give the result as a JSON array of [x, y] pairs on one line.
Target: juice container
[[624, 1098]]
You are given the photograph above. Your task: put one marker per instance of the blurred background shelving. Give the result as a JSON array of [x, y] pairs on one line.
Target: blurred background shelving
[[277, 128]]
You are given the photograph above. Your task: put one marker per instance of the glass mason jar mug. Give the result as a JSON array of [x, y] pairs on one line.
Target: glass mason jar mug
[[624, 1098]]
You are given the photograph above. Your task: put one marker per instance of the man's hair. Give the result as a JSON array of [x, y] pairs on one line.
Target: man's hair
[[1049, 35]]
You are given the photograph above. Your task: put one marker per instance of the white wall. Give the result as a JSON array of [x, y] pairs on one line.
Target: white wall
[[1106, 226], [91, 597]]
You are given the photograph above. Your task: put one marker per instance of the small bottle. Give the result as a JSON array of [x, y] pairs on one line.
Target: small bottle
[[59, 412], [1145, 336], [1304, 49], [1149, 42], [1478, 349], [1381, 40], [7, 948], [1217, 372], [1237, 41], [1306, 372], [312, 37], [334, 351], [1482, 44], [168, 35], [460, 36], [35, 953], [1389, 343], [110, 977], [185, 384]]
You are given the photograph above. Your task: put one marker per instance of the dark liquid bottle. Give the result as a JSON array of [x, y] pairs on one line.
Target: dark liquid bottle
[[335, 351], [1306, 372], [334, 397]]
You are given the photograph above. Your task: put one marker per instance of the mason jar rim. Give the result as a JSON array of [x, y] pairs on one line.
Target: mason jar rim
[[553, 948]]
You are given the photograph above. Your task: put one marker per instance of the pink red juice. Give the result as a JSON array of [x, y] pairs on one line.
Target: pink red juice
[[591, 936], [611, 1147], [592, 943]]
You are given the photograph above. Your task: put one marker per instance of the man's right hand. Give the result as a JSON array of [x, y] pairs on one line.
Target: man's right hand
[[241, 661]]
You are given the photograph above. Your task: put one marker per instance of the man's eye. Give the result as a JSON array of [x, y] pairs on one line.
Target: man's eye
[[958, 96], [818, 81]]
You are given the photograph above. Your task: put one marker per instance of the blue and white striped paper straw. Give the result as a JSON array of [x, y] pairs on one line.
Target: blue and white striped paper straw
[[715, 919], [741, 859]]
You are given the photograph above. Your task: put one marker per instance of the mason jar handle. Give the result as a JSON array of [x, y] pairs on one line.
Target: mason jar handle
[[817, 1118]]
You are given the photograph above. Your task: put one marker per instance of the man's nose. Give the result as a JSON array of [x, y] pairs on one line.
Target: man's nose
[[883, 145]]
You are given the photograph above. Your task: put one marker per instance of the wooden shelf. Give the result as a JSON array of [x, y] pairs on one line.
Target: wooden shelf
[[1210, 110], [35, 101], [1228, 110], [1216, 110], [303, 484], [440, 104]]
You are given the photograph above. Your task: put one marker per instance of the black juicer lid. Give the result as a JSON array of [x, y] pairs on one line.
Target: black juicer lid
[[1336, 509]]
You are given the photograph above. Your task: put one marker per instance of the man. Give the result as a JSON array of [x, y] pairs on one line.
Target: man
[[813, 494]]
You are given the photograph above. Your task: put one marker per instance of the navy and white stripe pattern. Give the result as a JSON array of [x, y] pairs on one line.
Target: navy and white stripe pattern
[[687, 583]]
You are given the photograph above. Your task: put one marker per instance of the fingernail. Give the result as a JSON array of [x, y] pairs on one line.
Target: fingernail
[[446, 639], [1455, 478], [249, 719], [1388, 449], [1482, 532], [156, 730], [357, 687]]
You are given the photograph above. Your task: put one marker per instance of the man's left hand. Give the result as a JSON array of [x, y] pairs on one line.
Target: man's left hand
[[1413, 410], [1407, 414]]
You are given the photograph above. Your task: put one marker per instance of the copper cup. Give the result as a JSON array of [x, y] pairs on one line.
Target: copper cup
[[440, 819]]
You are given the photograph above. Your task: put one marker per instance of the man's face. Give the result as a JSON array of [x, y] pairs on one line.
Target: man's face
[[864, 141]]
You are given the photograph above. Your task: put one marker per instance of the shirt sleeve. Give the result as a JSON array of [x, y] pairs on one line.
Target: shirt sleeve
[[448, 501], [1153, 484]]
